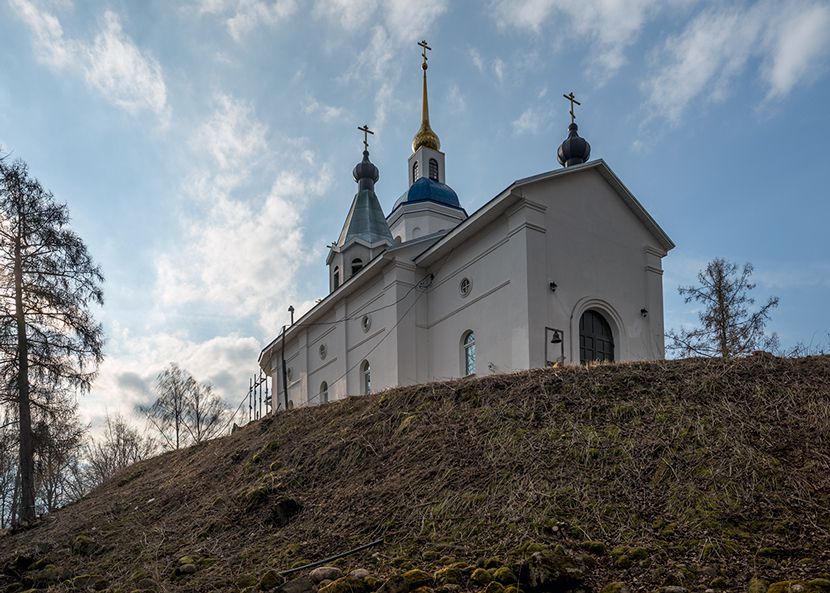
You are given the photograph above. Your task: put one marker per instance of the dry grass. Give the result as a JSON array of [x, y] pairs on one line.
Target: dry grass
[[716, 468]]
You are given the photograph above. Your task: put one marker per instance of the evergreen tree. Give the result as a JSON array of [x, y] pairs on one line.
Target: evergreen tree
[[727, 325], [48, 336]]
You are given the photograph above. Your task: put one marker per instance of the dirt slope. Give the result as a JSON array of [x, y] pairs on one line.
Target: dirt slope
[[700, 474]]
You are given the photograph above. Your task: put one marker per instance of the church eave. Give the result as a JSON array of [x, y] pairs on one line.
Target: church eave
[[511, 194], [346, 288]]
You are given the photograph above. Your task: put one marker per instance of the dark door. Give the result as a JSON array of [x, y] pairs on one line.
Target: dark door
[[595, 339]]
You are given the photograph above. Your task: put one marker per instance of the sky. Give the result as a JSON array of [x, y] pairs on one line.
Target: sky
[[205, 147]]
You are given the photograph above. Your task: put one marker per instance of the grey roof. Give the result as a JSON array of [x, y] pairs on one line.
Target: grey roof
[[365, 221]]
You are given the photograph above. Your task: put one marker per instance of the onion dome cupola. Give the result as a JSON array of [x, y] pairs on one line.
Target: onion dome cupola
[[575, 150], [427, 179], [365, 232]]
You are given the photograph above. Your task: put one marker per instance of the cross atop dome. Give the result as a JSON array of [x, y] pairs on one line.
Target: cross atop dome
[[425, 136]]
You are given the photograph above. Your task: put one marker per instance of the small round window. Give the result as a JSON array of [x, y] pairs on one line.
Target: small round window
[[366, 323], [323, 351], [465, 286]]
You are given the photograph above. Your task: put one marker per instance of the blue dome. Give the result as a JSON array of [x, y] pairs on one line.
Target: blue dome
[[429, 190]]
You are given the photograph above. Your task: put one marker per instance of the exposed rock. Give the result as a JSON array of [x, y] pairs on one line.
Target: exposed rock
[[504, 575], [186, 569], [394, 584], [449, 575], [551, 571], [615, 587], [84, 545], [298, 585], [417, 578], [347, 584], [481, 576], [270, 579], [322, 573], [360, 573], [814, 586], [284, 510]]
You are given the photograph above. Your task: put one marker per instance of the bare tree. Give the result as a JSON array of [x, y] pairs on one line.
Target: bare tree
[[59, 443], [205, 413], [167, 414], [121, 445], [48, 335], [727, 325]]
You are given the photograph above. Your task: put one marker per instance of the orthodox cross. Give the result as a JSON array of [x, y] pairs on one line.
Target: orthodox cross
[[570, 97], [424, 48], [366, 131]]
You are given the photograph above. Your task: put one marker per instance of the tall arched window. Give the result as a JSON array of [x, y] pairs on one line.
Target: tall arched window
[[336, 278], [433, 169], [596, 342], [366, 377], [414, 171], [324, 392], [468, 346], [357, 264]]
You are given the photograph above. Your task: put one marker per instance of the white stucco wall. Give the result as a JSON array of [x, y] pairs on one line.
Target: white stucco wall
[[575, 230]]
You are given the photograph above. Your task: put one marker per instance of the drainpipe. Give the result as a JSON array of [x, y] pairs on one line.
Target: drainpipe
[[284, 370]]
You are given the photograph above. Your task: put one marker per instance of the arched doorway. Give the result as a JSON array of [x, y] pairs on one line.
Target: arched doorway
[[596, 342]]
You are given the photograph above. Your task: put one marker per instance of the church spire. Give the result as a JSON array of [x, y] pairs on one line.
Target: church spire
[[425, 136]]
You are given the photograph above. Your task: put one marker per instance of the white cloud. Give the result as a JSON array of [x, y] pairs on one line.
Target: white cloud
[[111, 64], [786, 38], [323, 112], [498, 69], [128, 374], [531, 121], [609, 25], [797, 43], [240, 256], [121, 73], [478, 62], [455, 100], [243, 16]]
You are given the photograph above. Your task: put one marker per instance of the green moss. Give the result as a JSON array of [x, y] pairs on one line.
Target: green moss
[[186, 560], [246, 580], [270, 579], [256, 496], [449, 576], [504, 575], [792, 587], [615, 587], [494, 587], [347, 584], [822, 585], [84, 545], [481, 576], [756, 585], [489, 563], [594, 547], [415, 578]]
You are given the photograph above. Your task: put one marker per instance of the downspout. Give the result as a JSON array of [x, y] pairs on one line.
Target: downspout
[[284, 370]]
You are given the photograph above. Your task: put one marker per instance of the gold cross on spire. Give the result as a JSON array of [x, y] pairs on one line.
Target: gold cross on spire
[[424, 48], [366, 131], [570, 97]]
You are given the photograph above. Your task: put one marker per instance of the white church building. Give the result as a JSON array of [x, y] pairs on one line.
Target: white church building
[[564, 267]]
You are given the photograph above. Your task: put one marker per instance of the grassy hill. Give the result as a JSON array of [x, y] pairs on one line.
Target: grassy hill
[[700, 474]]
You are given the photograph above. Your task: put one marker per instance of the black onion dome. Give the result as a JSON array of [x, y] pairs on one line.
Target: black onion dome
[[575, 150], [366, 173]]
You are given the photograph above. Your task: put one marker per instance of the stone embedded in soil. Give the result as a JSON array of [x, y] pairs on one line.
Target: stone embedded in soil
[[417, 578], [270, 579], [186, 569], [394, 584], [298, 585], [360, 573], [449, 575], [347, 584], [325, 573], [481, 576], [504, 575], [284, 510], [552, 570], [615, 587]]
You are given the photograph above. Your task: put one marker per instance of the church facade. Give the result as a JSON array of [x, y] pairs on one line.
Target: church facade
[[564, 267]]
